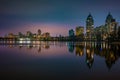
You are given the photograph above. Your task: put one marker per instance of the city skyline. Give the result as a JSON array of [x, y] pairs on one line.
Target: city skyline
[[56, 17]]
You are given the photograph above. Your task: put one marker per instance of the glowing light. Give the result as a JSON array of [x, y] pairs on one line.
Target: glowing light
[[21, 40], [24, 40], [88, 51]]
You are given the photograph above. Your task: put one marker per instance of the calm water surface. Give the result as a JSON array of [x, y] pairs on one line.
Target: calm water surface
[[60, 61]]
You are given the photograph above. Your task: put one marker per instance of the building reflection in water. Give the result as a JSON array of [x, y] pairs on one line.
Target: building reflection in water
[[89, 53], [109, 52], [71, 47], [79, 50]]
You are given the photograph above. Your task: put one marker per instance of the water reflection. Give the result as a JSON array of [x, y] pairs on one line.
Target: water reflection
[[71, 47], [109, 52]]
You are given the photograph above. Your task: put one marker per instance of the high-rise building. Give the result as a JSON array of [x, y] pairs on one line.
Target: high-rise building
[[39, 32], [71, 33], [46, 35], [100, 32], [109, 18], [11, 35], [79, 31], [89, 27], [111, 25], [29, 34], [108, 21]]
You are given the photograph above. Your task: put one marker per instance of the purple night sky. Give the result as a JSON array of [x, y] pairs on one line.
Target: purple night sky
[[54, 16]]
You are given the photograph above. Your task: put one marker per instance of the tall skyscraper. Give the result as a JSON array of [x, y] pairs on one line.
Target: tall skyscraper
[[108, 21], [109, 18], [111, 25], [89, 27]]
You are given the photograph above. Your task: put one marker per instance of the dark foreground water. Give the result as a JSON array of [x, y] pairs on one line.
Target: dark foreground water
[[60, 61]]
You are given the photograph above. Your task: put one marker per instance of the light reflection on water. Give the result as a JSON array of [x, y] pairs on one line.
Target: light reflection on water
[[66, 59]]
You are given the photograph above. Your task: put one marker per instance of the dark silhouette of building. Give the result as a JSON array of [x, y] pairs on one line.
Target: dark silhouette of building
[[71, 33], [39, 32], [109, 18]]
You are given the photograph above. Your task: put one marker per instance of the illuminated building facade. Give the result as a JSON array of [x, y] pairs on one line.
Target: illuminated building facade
[[111, 25], [89, 27], [80, 31], [46, 35]]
